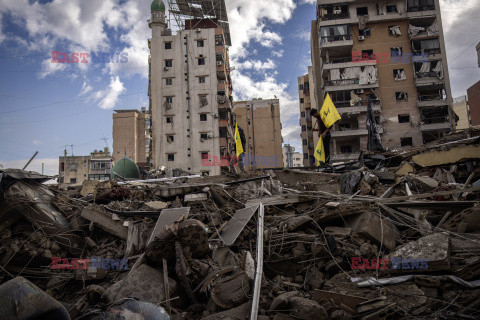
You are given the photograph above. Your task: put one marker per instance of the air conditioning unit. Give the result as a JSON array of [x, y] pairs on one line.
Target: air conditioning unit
[[198, 30], [215, 116], [219, 63], [361, 38], [210, 136]]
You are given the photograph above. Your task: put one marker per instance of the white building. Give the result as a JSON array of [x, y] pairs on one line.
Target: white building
[[190, 90]]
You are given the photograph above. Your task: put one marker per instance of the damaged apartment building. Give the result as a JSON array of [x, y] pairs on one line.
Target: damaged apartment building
[[391, 53], [74, 170], [190, 88], [260, 121]]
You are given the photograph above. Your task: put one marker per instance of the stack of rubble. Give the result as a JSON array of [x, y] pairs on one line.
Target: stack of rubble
[[392, 236]]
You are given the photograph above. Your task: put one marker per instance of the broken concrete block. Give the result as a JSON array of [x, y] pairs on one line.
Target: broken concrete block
[[144, 283], [338, 232], [426, 181], [105, 221], [434, 248], [196, 197], [307, 309], [454, 155], [156, 205], [405, 169], [194, 238], [231, 291], [369, 225]]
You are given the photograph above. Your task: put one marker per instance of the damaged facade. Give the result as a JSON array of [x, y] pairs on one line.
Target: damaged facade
[[389, 53], [76, 169], [260, 120], [190, 87]]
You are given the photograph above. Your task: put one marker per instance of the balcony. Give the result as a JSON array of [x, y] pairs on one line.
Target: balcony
[[442, 126], [434, 100], [347, 62], [429, 82], [348, 84], [345, 156], [341, 41], [334, 16], [358, 109], [354, 132]]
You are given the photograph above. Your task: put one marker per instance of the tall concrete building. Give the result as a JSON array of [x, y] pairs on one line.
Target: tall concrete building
[[132, 135], [260, 121], [473, 94], [190, 87], [307, 101], [391, 52], [462, 111]]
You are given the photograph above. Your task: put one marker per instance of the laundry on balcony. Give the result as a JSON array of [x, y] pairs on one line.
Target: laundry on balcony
[[368, 75], [395, 30]]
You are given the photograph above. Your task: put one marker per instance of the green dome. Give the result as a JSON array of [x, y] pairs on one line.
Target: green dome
[[157, 5], [125, 168]]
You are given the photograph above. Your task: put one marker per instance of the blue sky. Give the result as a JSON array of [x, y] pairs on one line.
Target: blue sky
[[45, 106]]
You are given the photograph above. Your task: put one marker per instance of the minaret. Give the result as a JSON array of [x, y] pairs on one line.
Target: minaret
[[158, 25]]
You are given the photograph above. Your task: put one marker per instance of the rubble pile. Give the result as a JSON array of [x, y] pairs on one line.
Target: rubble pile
[[392, 236]]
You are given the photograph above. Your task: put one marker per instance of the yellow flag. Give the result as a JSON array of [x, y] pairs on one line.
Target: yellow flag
[[328, 112], [238, 141], [320, 152]]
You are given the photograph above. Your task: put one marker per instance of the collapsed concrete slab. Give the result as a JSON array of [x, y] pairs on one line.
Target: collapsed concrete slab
[[372, 227]]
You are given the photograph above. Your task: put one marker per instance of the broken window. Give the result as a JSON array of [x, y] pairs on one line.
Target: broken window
[[394, 31], [403, 118], [392, 8], [223, 131], [399, 74], [73, 180], [169, 119], [345, 149], [168, 103], [396, 51], [367, 54], [300, 87], [200, 43], [168, 63], [304, 128], [364, 33], [201, 61], [302, 100], [204, 155], [203, 100], [169, 81], [401, 96], [420, 5], [302, 114], [404, 142], [169, 99], [362, 11], [170, 157], [222, 114], [168, 45], [203, 117], [203, 136], [335, 33], [218, 40]]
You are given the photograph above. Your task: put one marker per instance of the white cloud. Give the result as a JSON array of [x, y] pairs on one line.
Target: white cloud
[[278, 53], [2, 36], [308, 2], [108, 98], [36, 142], [256, 65], [48, 68], [86, 88]]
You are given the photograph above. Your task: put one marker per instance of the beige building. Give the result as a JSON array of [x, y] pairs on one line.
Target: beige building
[[260, 120], [76, 169], [297, 159], [132, 135], [190, 87], [392, 53], [307, 101], [460, 107]]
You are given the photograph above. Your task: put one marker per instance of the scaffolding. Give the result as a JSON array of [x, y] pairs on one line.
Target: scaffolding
[[213, 10]]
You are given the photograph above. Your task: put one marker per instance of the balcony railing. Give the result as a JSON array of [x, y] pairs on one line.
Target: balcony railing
[[430, 97], [328, 39], [332, 16]]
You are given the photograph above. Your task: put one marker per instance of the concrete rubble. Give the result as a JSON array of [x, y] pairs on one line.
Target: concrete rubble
[[390, 236]]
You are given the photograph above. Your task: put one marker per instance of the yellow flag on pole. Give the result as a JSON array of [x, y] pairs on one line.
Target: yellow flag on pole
[[238, 141], [328, 112], [320, 152]]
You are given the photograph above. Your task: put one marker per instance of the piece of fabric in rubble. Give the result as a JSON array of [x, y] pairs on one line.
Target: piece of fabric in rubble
[[414, 31], [349, 181], [395, 30], [372, 282], [374, 142]]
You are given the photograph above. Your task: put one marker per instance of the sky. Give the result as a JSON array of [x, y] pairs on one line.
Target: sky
[[51, 107]]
